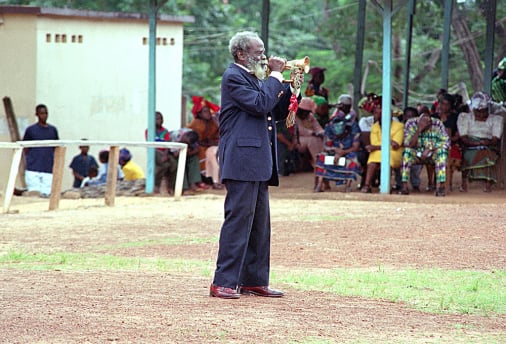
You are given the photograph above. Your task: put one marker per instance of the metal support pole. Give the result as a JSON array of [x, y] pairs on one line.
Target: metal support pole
[[266, 11], [446, 43], [407, 63], [359, 53], [386, 104], [150, 168]]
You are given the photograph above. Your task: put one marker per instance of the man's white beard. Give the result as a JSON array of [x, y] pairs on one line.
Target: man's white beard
[[258, 68]]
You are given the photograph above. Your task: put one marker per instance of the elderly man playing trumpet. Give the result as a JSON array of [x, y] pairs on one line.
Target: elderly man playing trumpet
[[251, 103]]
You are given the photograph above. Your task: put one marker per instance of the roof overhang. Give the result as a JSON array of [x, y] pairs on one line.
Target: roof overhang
[[73, 13]]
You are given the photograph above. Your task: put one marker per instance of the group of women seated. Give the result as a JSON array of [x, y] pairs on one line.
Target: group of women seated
[[473, 135]]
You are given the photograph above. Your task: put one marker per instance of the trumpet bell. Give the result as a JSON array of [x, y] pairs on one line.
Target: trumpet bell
[[303, 64]]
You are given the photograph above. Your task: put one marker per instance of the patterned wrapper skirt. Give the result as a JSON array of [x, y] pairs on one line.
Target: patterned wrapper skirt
[[479, 162], [341, 174]]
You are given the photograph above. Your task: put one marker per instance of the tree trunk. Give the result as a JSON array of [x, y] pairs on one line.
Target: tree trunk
[[500, 34], [397, 54], [469, 49], [428, 67]]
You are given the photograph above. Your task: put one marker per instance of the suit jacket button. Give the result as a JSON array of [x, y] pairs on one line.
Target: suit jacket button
[[269, 118], [269, 127]]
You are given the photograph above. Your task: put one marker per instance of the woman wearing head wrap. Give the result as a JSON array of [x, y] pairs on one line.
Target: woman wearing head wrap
[[314, 87], [344, 104], [367, 104], [480, 133], [322, 110], [339, 161], [205, 125], [308, 131]]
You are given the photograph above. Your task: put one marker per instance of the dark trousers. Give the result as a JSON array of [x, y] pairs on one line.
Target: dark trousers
[[245, 238]]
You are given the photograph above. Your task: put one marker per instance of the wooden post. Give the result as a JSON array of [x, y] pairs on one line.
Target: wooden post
[[181, 164], [16, 159], [58, 164], [11, 120], [112, 176], [15, 136]]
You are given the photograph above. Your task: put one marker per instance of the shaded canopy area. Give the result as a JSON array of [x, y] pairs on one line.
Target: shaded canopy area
[[480, 79]]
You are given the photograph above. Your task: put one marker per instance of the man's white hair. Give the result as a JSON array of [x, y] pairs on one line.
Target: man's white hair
[[242, 42]]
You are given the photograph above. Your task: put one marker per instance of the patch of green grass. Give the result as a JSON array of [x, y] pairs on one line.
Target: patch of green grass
[[431, 290], [457, 337], [92, 261]]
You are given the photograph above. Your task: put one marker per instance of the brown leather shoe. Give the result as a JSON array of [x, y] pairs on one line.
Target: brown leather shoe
[[260, 291], [223, 292]]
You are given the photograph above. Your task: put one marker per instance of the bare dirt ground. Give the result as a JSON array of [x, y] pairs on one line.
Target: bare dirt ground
[[309, 231]]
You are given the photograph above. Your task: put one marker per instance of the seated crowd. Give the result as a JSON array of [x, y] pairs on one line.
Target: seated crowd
[[201, 170], [339, 146], [345, 148], [202, 136]]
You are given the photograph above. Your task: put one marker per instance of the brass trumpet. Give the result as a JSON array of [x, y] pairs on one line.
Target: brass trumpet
[[303, 64], [299, 66]]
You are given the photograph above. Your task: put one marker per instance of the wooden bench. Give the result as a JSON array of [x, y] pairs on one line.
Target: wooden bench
[[59, 162]]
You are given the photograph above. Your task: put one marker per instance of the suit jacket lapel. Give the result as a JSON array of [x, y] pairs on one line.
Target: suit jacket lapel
[[253, 80]]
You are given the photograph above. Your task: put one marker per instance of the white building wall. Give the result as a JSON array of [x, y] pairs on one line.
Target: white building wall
[[17, 78], [93, 76]]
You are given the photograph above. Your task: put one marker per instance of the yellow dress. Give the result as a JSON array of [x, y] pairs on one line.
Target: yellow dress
[[396, 134], [132, 171]]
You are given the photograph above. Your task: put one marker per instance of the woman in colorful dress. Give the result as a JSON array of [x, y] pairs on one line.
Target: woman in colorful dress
[[205, 125], [308, 131], [480, 133], [340, 159], [374, 149]]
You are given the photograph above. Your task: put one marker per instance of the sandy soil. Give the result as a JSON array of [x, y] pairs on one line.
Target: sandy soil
[[313, 231]]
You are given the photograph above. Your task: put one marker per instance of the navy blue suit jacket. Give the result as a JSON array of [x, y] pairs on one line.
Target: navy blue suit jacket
[[249, 111]]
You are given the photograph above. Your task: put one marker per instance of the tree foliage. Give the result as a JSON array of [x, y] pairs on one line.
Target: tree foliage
[[326, 31]]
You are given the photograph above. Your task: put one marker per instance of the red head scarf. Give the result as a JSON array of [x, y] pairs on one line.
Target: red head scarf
[[200, 102]]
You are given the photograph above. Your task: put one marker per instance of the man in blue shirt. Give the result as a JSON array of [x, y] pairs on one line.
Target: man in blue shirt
[[39, 160], [81, 164]]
